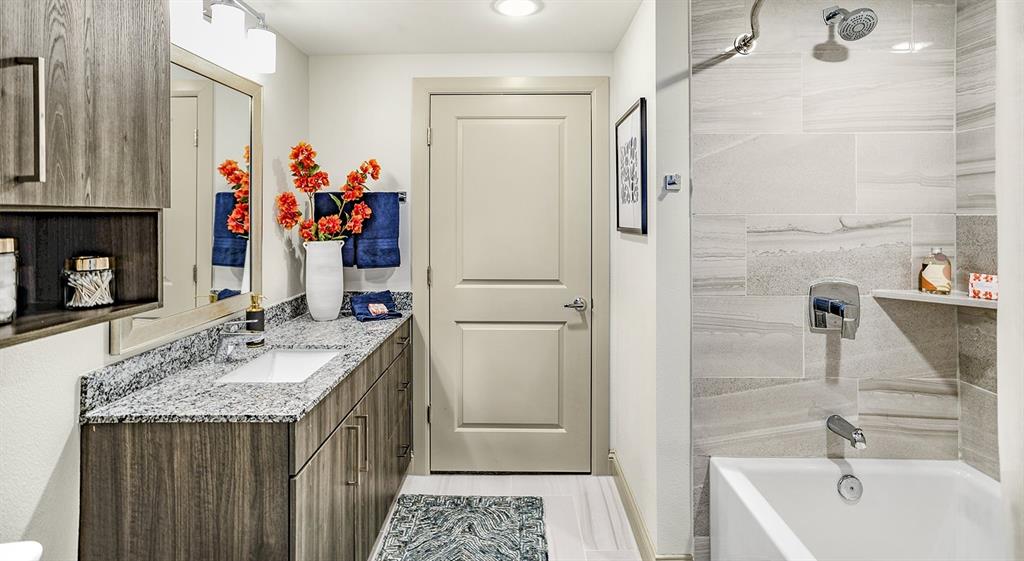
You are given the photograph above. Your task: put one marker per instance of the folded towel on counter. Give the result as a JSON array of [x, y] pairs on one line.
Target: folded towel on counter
[[228, 247], [324, 205], [374, 305], [377, 246]]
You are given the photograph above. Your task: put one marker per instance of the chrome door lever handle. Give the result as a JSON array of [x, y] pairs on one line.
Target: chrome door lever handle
[[579, 304]]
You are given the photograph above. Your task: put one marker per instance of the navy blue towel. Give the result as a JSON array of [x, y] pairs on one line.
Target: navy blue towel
[[228, 248], [323, 205], [361, 306], [377, 246]]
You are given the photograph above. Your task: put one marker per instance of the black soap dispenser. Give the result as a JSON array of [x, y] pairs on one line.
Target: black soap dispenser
[[255, 317]]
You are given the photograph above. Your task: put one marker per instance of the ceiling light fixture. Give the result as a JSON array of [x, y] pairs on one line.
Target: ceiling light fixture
[[517, 8], [256, 48]]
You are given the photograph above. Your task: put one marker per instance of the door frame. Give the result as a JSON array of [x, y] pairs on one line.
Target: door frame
[[597, 88]]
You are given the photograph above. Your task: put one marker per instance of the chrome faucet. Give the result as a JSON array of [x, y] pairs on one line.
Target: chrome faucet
[[231, 335], [835, 306], [845, 429]]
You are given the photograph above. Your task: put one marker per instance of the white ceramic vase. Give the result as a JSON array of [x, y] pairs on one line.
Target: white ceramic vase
[[325, 279]]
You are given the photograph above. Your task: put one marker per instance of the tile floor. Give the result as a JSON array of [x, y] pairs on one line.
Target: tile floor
[[583, 514]]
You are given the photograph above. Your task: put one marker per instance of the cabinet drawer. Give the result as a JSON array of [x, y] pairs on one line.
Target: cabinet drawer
[[312, 430]]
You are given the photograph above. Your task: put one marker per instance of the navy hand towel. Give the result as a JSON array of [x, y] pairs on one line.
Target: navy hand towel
[[228, 248], [377, 246], [382, 303], [323, 205]]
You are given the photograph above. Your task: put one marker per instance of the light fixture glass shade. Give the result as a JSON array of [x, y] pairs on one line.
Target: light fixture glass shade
[[228, 23], [262, 45], [516, 8]]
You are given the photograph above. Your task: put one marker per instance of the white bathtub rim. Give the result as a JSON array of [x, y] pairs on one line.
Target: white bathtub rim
[[778, 531]]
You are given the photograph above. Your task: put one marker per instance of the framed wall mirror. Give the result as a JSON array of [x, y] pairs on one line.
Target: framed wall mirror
[[211, 244]]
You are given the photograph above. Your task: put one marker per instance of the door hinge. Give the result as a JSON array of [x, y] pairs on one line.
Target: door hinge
[[195, 137], [195, 274], [428, 414], [429, 136], [430, 277]]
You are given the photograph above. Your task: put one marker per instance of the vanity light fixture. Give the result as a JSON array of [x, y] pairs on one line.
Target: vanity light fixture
[[259, 44], [517, 8]]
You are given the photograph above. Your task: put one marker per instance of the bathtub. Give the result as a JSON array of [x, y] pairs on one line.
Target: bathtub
[[790, 509]]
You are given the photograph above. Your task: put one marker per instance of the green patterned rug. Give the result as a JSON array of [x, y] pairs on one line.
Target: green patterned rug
[[451, 528]]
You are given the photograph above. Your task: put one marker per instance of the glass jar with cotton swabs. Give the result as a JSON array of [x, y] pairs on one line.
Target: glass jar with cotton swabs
[[88, 282]]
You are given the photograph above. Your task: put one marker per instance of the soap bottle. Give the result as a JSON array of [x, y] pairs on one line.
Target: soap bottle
[[255, 316], [936, 273]]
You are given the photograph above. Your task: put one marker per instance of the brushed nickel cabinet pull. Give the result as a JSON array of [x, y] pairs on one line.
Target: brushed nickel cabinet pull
[[38, 65], [350, 466], [403, 450], [364, 464]]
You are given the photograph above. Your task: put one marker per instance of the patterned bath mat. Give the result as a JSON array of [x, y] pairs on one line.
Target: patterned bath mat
[[450, 528]]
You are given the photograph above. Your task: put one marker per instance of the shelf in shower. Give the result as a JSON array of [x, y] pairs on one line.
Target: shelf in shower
[[954, 299]]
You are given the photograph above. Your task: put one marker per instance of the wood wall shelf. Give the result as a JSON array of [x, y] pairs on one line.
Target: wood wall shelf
[[46, 237], [43, 321], [953, 299]]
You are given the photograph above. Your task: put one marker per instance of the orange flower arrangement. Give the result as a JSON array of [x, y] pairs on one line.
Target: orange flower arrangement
[[238, 180], [310, 179]]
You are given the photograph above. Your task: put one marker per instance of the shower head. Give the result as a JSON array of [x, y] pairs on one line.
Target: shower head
[[854, 25]]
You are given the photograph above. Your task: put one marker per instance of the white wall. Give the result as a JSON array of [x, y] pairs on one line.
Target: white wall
[[361, 107], [39, 436], [633, 283], [674, 528]]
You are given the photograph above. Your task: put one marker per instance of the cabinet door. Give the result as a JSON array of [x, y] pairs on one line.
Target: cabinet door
[[54, 32], [130, 105], [324, 495], [106, 80]]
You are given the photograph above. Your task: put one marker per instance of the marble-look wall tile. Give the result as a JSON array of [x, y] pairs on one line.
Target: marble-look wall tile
[[976, 85], [755, 93], [976, 247], [934, 24], [928, 231], [748, 336], [976, 171], [719, 258], [911, 419], [979, 436], [875, 91], [767, 417], [975, 21], [977, 343], [785, 254], [912, 173], [789, 26], [896, 340], [774, 174]]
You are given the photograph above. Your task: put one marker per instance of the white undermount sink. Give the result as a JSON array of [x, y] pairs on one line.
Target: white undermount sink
[[280, 366]]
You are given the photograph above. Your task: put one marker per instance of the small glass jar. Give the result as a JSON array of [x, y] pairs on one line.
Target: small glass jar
[[88, 282], [8, 279]]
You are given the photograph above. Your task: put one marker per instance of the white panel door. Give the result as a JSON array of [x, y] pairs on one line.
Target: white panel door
[[510, 188], [179, 220]]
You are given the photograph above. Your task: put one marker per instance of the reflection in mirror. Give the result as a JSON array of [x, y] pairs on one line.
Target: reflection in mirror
[[206, 254]]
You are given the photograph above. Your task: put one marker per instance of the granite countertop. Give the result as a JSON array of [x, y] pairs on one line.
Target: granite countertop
[[194, 395]]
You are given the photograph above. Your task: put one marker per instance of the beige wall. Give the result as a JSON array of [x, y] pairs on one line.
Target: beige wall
[[633, 283], [361, 107], [813, 160], [39, 436]]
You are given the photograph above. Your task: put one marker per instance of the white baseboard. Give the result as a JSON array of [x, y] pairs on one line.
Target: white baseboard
[[636, 521]]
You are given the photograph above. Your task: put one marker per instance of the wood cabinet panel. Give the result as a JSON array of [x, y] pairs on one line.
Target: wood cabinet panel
[[184, 491], [324, 497], [107, 78]]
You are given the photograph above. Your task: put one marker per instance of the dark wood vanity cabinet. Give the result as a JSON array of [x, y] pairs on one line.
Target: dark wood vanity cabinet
[[102, 71], [342, 495], [318, 489]]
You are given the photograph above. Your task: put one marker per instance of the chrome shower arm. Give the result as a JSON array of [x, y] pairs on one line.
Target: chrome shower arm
[[744, 44]]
